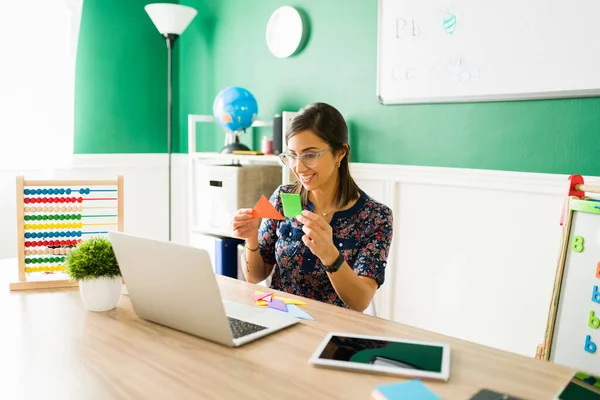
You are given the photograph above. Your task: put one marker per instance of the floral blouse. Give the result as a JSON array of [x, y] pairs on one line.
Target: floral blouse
[[363, 234]]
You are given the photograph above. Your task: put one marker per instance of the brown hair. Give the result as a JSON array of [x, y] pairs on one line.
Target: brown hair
[[327, 122]]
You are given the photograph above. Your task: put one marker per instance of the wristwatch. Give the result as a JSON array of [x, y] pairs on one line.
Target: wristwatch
[[336, 264]]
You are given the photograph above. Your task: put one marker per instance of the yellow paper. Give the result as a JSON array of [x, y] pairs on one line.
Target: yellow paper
[[286, 300]]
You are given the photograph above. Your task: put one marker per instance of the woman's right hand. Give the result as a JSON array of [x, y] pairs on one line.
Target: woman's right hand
[[244, 225]]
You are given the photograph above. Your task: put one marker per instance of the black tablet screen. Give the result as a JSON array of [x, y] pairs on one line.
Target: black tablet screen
[[394, 354]]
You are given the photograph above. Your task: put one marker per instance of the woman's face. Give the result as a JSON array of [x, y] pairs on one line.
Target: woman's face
[[317, 170]]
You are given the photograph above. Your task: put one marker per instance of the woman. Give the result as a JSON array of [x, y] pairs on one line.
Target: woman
[[336, 251]]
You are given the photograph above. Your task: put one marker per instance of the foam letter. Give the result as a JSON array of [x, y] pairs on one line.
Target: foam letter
[[596, 295], [578, 244], [590, 346], [594, 321], [598, 271]]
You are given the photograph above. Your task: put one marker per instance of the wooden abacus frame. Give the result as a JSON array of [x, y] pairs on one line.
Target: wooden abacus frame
[[576, 190], [21, 185]]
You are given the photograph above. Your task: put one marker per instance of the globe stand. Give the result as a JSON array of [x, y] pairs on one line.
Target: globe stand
[[232, 143]]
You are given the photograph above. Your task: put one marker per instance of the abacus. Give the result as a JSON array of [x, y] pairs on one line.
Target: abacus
[[53, 216]]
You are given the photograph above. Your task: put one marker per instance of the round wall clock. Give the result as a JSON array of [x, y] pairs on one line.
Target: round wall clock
[[286, 32]]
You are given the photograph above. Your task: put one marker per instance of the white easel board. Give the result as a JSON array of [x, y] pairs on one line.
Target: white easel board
[[470, 50], [575, 341]]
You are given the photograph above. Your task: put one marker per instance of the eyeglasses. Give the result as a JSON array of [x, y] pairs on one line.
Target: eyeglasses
[[310, 160]]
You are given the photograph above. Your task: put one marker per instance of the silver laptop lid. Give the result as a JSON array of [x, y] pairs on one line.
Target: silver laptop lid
[[172, 285]]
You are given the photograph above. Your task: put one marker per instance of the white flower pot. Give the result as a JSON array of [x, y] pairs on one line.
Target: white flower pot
[[101, 294]]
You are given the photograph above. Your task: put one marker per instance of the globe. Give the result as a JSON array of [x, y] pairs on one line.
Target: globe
[[235, 108]]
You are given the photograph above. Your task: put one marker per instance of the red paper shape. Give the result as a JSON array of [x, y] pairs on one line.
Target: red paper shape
[[268, 298], [261, 296], [264, 209]]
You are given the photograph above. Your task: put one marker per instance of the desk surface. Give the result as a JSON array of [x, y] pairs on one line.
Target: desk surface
[[52, 348]]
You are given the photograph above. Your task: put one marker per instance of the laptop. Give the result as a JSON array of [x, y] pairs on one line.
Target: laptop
[[175, 286]]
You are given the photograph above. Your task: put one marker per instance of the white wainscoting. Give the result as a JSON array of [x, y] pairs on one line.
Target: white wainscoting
[[474, 252], [145, 182]]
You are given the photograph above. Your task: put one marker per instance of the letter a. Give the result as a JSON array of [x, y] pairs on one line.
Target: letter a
[[594, 321], [590, 346]]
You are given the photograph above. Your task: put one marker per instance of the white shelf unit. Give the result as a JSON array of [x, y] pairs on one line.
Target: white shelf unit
[[211, 158]]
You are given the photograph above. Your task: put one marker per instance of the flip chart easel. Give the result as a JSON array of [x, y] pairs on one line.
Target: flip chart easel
[[572, 330]]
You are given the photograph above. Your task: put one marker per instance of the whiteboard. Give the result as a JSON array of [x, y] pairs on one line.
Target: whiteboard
[[472, 50], [576, 300]]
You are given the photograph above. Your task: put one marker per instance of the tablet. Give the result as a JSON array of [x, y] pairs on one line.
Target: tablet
[[581, 386], [386, 355]]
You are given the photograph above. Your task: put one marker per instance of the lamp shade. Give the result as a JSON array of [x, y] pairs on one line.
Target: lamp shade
[[170, 18]]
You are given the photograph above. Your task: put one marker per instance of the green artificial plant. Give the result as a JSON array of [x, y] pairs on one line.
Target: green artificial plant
[[93, 258]]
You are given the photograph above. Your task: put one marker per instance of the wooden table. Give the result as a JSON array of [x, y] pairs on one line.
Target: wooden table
[[52, 348]]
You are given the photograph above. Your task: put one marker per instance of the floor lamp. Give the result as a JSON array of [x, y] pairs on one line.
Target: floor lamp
[[170, 20]]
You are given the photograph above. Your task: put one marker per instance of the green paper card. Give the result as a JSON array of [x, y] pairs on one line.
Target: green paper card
[[292, 206]]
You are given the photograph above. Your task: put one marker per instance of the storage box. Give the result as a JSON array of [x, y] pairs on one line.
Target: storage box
[[224, 253], [223, 189], [226, 256]]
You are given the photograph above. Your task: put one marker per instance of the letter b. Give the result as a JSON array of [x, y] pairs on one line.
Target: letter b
[[594, 321], [596, 295], [590, 346]]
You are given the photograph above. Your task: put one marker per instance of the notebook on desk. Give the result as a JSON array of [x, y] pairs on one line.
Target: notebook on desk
[[175, 286]]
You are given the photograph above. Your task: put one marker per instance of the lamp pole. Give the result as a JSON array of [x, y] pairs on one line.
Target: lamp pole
[[170, 38], [170, 20]]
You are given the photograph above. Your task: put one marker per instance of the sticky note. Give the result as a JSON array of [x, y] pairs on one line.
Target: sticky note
[[292, 206], [413, 389], [278, 305], [298, 312], [264, 209]]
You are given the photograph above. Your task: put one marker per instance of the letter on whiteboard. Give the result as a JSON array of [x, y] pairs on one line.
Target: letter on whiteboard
[[590, 346], [596, 294], [594, 321]]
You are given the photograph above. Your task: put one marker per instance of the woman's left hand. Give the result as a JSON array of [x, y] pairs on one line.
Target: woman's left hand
[[318, 237]]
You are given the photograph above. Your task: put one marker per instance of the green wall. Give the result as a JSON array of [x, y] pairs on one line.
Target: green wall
[[196, 69], [225, 45], [121, 84]]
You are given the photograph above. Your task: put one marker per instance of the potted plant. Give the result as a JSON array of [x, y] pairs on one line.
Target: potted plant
[[94, 265]]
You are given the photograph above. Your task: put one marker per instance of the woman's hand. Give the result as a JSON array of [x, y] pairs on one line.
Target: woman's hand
[[318, 237], [244, 225]]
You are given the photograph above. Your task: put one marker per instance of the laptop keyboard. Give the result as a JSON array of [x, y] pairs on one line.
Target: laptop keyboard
[[241, 328]]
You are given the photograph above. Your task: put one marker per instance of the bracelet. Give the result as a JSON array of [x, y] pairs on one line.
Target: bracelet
[[252, 250]]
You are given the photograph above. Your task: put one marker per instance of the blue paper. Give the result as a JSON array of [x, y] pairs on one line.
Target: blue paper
[[413, 390], [295, 311], [298, 312]]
